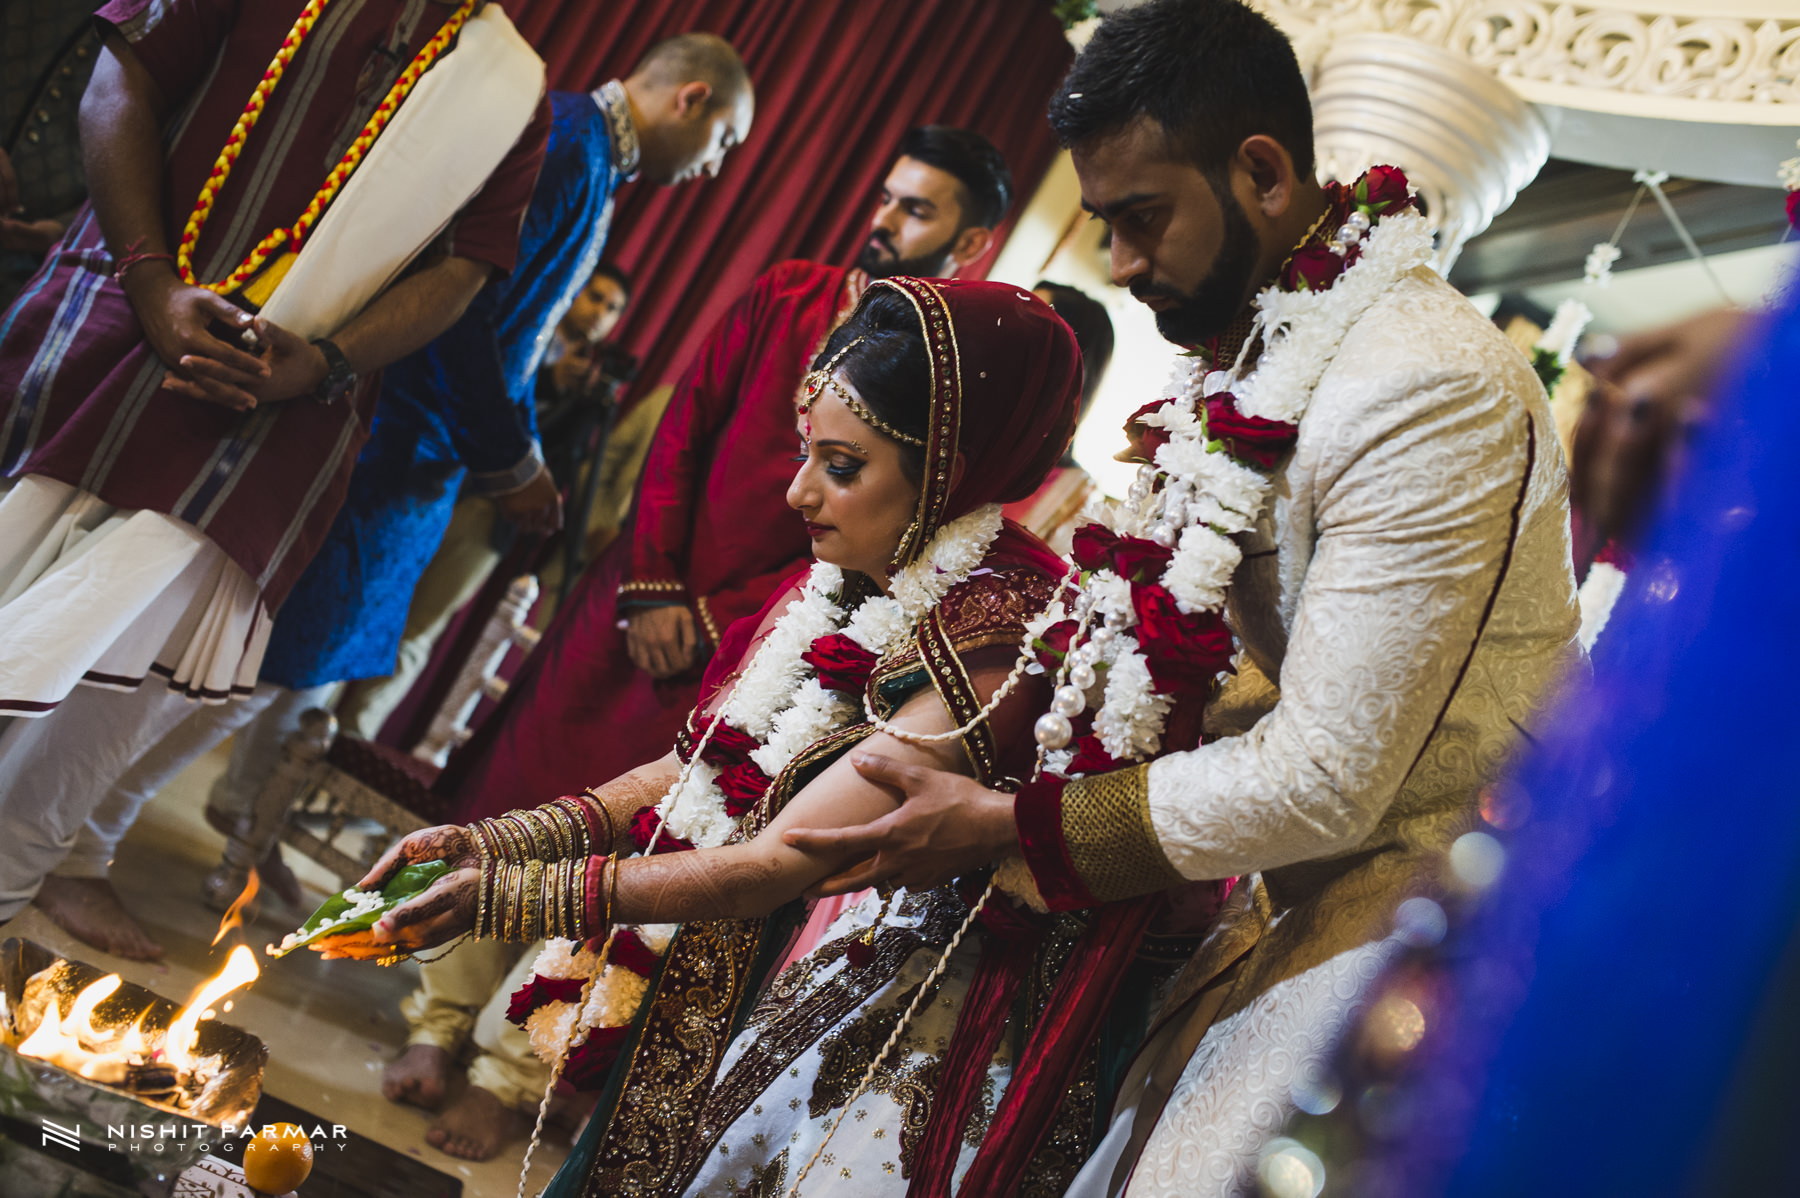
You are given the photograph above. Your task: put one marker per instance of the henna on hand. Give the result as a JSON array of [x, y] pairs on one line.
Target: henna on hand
[[707, 884]]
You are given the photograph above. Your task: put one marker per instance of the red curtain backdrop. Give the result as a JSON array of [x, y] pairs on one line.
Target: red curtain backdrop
[[837, 83]]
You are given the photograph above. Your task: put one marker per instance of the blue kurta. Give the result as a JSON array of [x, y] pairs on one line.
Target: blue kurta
[[462, 403]]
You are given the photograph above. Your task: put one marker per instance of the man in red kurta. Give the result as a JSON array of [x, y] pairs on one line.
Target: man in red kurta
[[161, 485], [620, 666]]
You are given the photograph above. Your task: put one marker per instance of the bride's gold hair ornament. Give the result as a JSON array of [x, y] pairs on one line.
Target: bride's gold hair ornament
[[819, 379]]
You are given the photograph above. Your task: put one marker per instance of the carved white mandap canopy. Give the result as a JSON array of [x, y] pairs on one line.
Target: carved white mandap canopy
[[1729, 61]]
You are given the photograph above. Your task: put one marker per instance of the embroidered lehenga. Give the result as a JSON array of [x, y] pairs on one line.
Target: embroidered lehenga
[[729, 1081]]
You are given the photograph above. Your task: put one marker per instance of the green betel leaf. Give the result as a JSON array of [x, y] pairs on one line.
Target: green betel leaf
[[357, 910]]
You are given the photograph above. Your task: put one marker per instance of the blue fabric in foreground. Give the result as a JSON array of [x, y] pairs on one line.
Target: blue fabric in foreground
[[1619, 995]]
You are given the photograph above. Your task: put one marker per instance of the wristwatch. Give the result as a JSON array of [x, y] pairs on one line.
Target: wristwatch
[[339, 379]]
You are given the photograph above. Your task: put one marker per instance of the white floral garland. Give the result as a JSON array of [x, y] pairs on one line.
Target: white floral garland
[[1206, 496], [777, 701]]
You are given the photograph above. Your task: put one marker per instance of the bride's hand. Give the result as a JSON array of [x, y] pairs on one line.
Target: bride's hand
[[445, 911], [454, 846]]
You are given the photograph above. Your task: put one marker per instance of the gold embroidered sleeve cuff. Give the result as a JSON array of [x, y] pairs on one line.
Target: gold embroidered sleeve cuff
[[659, 590], [1091, 841]]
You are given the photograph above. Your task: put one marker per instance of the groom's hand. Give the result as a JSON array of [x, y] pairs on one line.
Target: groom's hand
[[947, 825]]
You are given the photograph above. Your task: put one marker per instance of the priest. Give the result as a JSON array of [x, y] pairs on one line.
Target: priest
[[185, 384]]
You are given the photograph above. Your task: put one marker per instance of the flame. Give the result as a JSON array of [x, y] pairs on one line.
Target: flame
[[58, 1037], [80, 1019], [178, 1044], [234, 917]]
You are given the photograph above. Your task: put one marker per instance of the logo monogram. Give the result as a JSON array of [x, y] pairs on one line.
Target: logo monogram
[[63, 1137]]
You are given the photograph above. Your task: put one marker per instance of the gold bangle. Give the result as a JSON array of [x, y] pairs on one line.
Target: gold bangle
[[612, 833], [533, 928], [612, 897], [481, 898]]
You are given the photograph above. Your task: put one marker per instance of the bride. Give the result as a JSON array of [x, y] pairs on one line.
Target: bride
[[911, 637]]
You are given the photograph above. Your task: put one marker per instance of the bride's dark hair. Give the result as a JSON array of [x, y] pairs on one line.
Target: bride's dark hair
[[890, 369]]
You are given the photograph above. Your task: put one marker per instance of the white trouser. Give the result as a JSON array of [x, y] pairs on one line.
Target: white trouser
[[54, 772], [253, 759]]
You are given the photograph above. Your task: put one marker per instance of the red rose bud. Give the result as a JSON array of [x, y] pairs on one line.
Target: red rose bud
[[1312, 268], [588, 1066], [842, 664], [1144, 439], [1091, 758], [1793, 208], [728, 744], [630, 952], [1052, 644], [1137, 560], [1183, 652], [1383, 190], [1092, 545], [1250, 438], [859, 954], [742, 784], [643, 827], [540, 992], [1133, 558]]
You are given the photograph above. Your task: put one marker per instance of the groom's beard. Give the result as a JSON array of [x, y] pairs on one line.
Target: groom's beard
[[880, 265], [1209, 309]]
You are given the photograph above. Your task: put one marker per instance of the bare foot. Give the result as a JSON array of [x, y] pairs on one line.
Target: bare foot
[[476, 1126], [418, 1076], [89, 910]]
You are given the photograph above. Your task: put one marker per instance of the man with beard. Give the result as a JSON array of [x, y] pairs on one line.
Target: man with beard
[[1375, 499], [619, 668]]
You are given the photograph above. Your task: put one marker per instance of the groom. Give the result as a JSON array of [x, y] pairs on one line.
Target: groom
[[1402, 611]]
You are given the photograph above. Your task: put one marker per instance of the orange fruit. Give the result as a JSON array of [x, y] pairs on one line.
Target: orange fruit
[[278, 1159]]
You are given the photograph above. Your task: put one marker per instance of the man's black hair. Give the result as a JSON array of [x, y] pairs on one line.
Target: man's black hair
[[972, 161], [1210, 72], [616, 273]]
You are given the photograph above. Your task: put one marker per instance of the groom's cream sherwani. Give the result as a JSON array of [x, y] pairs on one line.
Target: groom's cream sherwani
[[1408, 605]]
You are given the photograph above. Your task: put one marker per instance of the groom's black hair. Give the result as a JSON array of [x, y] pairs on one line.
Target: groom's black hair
[[1210, 72]]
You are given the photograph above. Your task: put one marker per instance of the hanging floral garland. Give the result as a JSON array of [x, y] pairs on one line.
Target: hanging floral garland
[[804, 683], [1147, 626]]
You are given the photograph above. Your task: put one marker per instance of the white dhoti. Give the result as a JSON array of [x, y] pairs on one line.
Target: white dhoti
[[112, 598]]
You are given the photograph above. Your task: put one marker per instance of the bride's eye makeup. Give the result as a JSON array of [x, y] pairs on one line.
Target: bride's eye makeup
[[843, 467]]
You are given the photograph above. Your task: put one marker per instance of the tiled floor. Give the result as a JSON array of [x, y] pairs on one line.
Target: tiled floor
[[330, 1026]]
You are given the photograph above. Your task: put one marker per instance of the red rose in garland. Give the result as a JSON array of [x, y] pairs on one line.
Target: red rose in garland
[[1091, 758], [643, 827], [1312, 268], [1383, 191], [1793, 208], [1052, 644], [630, 952], [1131, 558], [842, 664], [728, 744], [1182, 651], [1250, 438], [742, 784], [588, 1067], [540, 991], [1145, 439]]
